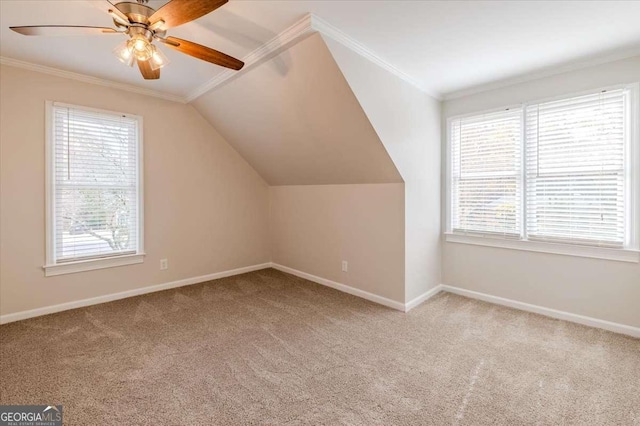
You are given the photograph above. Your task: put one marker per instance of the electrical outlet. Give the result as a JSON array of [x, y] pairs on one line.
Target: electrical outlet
[[345, 266], [164, 264]]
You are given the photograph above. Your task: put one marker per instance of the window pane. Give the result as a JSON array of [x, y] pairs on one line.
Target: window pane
[[575, 169], [95, 222], [487, 205], [485, 155]]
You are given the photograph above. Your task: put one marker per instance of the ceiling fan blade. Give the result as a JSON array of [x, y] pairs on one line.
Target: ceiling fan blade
[[202, 52], [147, 72], [178, 12], [62, 30]]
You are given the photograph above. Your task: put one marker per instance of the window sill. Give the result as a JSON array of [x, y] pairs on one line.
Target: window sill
[[90, 265], [542, 247]]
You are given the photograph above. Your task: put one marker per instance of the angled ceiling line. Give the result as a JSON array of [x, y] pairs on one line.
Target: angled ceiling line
[[329, 30], [309, 24], [281, 41]]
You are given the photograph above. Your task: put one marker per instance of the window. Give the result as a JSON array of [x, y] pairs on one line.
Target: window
[[94, 205], [548, 173], [485, 178]]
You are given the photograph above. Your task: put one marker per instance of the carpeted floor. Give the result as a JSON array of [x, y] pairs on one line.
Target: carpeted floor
[[270, 348]]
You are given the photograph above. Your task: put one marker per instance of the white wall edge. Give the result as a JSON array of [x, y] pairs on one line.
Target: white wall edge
[[342, 287], [89, 79], [17, 316], [547, 72], [422, 298], [548, 312]]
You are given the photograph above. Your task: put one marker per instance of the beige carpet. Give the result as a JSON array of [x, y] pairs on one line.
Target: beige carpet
[[270, 348]]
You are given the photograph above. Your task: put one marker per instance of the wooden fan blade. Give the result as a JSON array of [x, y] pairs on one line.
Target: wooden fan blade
[[62, 30], [178, 12], [147, 72], [202, 52]]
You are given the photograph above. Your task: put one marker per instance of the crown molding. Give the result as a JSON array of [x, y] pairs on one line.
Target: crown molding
[[329, 30], [306, 26], [280, 42], [88, 79], [547, 72], [309, 24]]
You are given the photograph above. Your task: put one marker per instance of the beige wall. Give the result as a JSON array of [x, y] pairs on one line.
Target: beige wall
[[315, 227], [408, 124], [206, 209], [295, 119], [602, 289]]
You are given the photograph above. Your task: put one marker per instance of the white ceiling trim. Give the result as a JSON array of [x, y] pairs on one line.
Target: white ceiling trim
[[548, 72], [330, 31], [280, 42], [89, 79], [309, 24]]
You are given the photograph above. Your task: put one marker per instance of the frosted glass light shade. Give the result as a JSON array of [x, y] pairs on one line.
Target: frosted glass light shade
[[140, 47], [158, 59], [124, 53]]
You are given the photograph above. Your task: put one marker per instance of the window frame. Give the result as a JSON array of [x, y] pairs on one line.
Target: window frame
[[631, 250], [51, 267]]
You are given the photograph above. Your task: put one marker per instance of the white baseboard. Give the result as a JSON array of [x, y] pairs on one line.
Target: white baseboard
[[344, 288], [130, 293], [404, 307], [567, 316], [422, 298]]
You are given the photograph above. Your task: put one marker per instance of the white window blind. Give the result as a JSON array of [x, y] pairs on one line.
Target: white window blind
[[486, 173], [575, 169], [561, 171], [95, 184]]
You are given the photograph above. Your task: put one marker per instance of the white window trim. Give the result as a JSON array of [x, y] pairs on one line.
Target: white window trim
[[51, 268], [630, 254], [623, 255]]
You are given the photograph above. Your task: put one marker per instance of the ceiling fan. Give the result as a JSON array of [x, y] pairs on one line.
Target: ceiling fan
[[143, 25]]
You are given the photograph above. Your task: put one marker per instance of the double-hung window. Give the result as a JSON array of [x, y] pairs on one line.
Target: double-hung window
[[94, 189], [559, 176]]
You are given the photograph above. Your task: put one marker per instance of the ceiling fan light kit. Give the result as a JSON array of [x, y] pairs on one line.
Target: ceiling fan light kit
[[143, 25], [140, 48]]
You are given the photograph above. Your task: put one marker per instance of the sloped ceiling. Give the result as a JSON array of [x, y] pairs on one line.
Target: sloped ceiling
[[297, 122]]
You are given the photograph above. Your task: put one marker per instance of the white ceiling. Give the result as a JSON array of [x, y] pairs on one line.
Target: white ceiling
[[447, 46]]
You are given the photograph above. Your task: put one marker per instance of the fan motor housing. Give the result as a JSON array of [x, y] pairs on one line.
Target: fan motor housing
[[136, 12], [138, 15]]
